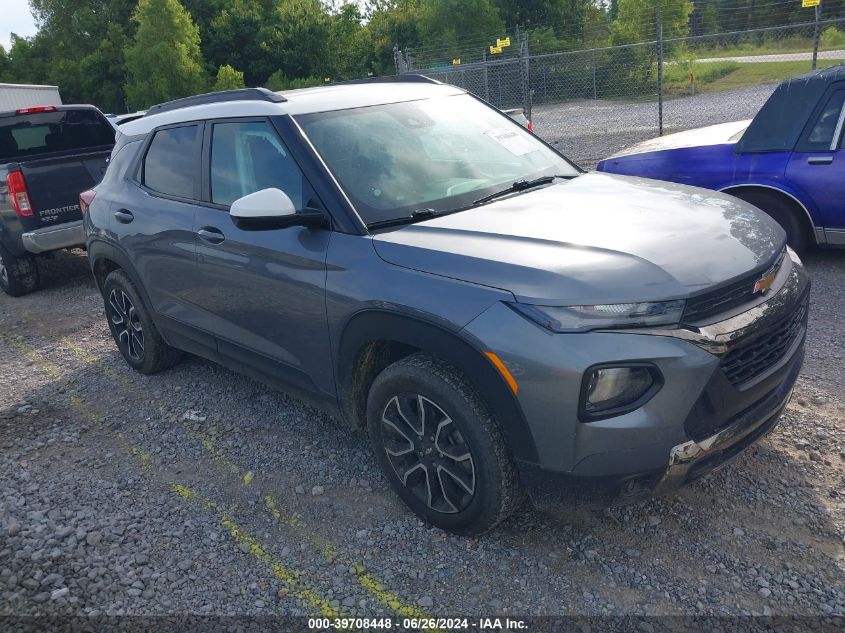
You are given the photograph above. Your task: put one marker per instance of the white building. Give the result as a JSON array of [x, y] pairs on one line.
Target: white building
[[16, 96]]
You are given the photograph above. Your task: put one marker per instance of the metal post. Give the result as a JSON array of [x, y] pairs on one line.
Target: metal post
[[595, 90], [486, 78], [397, 59], [660, 71], [816, 35], [527, 101]]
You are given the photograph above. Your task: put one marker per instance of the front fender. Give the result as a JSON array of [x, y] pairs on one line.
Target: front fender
[[797, 194], [456, 348]]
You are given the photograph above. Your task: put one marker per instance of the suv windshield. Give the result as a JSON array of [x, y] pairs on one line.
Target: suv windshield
[[435, 155], [24, 135]]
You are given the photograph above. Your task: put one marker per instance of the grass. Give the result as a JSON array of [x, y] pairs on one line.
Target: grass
[[681, 76], [770, 47], [755, 74], [831, 39]]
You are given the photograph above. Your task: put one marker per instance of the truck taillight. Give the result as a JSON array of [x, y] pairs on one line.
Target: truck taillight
[[85, 200], [18, 193], [530, 126]]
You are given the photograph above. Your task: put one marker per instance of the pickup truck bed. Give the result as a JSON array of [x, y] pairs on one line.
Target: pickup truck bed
[[48, 155]]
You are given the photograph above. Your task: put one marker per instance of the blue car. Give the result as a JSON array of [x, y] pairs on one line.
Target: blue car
[[788, 161]]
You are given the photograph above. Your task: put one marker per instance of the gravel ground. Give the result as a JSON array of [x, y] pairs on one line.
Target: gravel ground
[[587, 131], [199, 491]]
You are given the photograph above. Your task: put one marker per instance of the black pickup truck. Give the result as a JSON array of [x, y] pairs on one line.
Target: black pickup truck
[[48, 155]]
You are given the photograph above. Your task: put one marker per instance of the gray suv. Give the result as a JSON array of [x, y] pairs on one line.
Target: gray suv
[[411, 260]]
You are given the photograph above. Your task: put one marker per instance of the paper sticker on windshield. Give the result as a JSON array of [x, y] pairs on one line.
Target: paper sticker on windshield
[[515, 143]]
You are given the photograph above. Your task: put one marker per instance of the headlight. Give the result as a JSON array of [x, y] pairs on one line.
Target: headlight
[[602, 316], [609, 391]]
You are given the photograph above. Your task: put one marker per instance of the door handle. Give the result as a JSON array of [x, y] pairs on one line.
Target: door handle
[[820, 160], [124, 216], [211, 235]]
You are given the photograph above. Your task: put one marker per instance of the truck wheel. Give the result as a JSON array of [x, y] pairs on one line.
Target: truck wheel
[[440, 447], [783, 212], [132, 328], [18, 275]]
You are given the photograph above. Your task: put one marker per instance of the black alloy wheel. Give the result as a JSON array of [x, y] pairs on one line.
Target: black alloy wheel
[[427, 452], [127, 324]]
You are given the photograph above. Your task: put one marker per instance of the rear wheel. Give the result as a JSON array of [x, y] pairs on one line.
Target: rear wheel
[[133, 330], [18, 275], [784, 212], [439, 446]]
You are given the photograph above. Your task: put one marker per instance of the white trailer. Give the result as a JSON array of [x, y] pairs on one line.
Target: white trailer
[[17, 96]]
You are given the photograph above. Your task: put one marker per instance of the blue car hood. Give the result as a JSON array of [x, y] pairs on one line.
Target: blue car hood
[[596, 239], [721, 134]]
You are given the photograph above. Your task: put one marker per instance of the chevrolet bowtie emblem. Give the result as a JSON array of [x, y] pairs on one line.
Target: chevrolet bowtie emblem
[[762, 285]]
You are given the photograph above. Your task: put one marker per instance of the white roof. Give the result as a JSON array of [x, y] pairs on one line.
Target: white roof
[[307, 100]]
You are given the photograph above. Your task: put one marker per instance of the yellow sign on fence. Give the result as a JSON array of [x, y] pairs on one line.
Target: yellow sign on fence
[[503, 43], [456, 61], [809, 4], [494, 50]]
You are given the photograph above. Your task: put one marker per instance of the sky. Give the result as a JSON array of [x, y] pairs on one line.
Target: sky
[[16, 18]]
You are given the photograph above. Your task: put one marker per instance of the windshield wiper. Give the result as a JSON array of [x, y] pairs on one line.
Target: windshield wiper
[[520, 185], [416, 216]]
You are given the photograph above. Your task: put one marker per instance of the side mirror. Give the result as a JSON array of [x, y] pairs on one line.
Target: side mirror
[[271, 209]]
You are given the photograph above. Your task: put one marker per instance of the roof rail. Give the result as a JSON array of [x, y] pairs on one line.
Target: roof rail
[[241, 94], [389, 79]]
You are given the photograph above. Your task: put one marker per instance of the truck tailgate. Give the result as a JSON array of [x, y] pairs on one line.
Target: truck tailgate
[[54, 185]]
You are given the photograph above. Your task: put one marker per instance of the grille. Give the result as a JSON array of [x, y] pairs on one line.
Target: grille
[[725, 298], [747, 361]]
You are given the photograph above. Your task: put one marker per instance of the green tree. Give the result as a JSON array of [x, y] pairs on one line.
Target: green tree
[[277, 81], [164, 60], [103, 72], [4, 63], [237, 37], [228, 79], [636, 20], [297, 36], [29, 60], [349, 43], [434, 30]]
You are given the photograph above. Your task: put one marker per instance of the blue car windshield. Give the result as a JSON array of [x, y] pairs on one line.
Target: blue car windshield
[[435, 154]]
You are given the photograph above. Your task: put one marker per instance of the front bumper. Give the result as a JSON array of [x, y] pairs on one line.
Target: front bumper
[[53, 238], [685, 462], [699, 420]]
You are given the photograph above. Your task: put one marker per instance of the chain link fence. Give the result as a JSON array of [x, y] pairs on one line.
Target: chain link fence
[[594, 102]]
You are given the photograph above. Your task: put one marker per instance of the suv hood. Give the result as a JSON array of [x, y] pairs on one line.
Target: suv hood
[[598, 238]]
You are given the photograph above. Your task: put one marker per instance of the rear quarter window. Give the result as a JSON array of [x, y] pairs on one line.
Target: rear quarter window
[[121, 161], [169, 166]]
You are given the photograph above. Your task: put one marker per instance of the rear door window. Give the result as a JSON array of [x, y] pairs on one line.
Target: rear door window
[[826, 124], [170, 166], [25, 135]]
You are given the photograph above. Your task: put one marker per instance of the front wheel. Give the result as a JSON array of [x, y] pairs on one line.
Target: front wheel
[[133, 330], [440, 447]]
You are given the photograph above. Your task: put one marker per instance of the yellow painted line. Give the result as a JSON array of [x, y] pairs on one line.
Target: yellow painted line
[[292, 521], [282, 573], [372, 585], [287, 576]]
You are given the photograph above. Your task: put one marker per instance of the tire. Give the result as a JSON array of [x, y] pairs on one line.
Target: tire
[[132, 328], [784, 213], [18, 275], [473, 482]]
